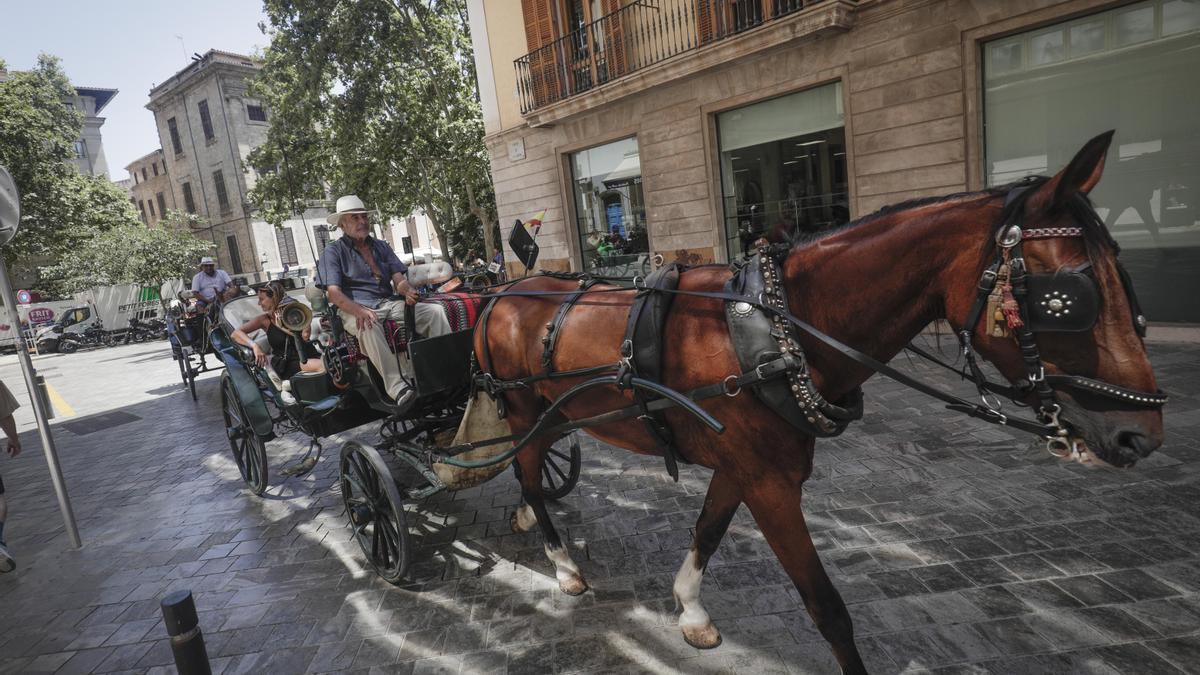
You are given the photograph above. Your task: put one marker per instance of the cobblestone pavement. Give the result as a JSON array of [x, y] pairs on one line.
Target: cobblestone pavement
[[960, 548]]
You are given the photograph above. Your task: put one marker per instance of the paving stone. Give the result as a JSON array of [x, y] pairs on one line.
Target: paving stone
[[1078, 569]]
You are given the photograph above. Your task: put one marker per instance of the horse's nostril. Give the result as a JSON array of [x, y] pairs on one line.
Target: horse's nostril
[[1137, 442]]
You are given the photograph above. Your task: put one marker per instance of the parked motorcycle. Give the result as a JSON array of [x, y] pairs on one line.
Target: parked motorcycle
[[93, 336], [140, 331]]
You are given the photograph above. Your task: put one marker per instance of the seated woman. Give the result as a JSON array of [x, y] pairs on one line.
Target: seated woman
[[284, 361]]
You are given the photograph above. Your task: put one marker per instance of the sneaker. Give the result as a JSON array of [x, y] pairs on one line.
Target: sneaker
[[7, 563], [287, 398]]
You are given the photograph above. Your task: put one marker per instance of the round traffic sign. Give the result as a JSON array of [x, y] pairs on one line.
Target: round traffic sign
[[24, 297]]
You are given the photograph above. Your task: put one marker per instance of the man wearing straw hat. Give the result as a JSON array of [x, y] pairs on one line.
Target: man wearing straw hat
[[211, 284], [361, 273]]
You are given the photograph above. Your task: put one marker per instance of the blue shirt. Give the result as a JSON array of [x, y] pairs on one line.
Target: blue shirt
[[344, 267], [208, 287]]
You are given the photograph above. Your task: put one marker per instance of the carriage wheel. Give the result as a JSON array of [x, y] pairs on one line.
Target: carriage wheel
[[375, 510], [249, 451], [189, 373], [560, 470]]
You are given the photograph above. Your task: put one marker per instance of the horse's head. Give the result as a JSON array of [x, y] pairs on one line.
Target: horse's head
[[1083, 320]]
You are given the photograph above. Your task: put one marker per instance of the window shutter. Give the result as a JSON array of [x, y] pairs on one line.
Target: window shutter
[[614, 39], [705, 13], [543, 66]]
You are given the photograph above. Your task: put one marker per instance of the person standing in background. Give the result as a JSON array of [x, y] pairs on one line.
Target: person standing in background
[[8, 405]]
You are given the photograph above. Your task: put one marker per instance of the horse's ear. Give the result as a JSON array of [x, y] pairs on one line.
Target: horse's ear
[[1084, 171]]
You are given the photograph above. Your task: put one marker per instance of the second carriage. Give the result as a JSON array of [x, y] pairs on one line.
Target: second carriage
[[419, 451]]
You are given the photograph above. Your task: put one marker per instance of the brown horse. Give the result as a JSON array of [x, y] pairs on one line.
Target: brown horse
[[874, 284]]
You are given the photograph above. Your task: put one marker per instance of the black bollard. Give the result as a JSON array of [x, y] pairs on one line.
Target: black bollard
[[187, 642]]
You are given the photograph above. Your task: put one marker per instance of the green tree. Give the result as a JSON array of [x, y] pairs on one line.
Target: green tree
[[60, 209], [376, 98], [130, 254]]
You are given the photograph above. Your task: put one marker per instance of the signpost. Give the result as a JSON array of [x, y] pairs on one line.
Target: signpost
[[10, 211]]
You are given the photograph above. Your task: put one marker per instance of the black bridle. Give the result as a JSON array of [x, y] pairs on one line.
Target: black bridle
[[1066, 301]]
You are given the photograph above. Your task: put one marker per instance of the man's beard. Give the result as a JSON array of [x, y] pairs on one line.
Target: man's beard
[[211, 273]]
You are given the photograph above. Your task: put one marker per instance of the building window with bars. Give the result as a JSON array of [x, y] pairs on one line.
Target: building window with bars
[[235, 253], [206, 120], [321, 234], [256, 113], [189, 202], [287, 246], [222, 195], [173, 130]]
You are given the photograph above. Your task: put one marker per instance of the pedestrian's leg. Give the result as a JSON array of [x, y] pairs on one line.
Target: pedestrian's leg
[[7, 564], [375, 345]]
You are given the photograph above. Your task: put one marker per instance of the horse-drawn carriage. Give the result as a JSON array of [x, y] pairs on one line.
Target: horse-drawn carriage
[[1040, 293], [420, 450], [188, 327]]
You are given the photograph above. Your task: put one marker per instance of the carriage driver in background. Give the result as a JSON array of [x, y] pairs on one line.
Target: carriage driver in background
[[361, 273], [211, 284]]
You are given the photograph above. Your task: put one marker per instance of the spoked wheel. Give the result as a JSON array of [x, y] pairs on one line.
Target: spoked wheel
[[375, 510], [249, 451], [560, 471], [189, 373]]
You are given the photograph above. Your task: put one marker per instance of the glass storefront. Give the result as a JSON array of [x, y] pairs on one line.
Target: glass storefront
[[610, 213], [783, 167], [1133, 69]]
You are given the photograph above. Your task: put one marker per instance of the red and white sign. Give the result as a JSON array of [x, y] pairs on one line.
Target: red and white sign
[[41, 315], [24, 297]]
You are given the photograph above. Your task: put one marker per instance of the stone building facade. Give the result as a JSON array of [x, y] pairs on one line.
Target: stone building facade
[[685, 130], [150, 187], [89, 149], [207, 125]]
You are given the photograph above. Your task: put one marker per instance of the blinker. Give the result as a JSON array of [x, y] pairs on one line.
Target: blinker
[[1066, 302]]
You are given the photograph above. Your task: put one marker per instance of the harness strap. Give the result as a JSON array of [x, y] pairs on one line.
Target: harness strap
[[553, 328]]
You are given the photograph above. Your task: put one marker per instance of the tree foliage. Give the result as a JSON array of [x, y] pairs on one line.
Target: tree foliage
[[60, 208], [130, 254], [375, 98]]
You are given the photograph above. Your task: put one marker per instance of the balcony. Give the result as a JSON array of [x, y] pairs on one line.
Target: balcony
[[646, 33]]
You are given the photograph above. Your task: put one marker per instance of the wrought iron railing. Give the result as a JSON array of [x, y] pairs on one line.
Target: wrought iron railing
[[640, 34]]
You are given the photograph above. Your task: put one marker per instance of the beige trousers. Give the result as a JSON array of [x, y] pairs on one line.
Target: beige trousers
[[431, 321]]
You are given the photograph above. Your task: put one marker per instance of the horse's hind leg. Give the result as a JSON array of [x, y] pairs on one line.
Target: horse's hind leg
[[529, 471], [775, 502], [720, 504]]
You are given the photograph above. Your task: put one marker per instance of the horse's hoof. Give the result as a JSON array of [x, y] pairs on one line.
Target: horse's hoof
[[702, 637], [522, 520], [573, 586]]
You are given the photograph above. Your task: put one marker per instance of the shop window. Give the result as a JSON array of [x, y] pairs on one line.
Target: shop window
[[610, 213], [783, 167], [1132, 69]]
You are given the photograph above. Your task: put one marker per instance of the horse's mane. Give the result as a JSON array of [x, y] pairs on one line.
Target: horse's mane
[[1096, 235]]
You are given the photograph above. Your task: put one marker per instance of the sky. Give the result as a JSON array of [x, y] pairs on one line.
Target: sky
[[129, 45]]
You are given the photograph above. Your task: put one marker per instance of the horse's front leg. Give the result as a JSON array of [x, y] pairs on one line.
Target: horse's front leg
[[529, 472], [720, 504], [774, 500]]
